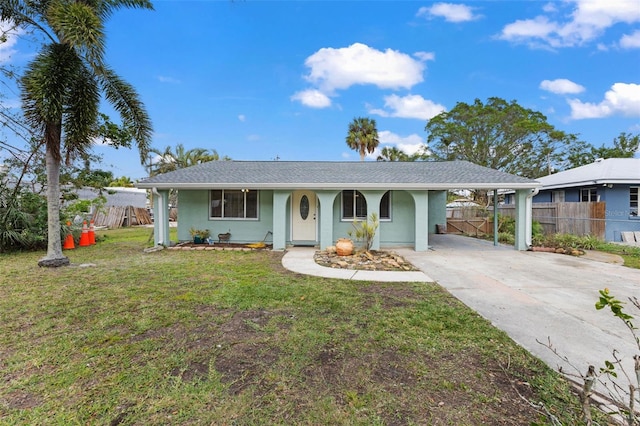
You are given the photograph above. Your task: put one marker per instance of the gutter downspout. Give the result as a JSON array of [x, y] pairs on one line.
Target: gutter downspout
[[495, 217], [159, 219], [529, 216]]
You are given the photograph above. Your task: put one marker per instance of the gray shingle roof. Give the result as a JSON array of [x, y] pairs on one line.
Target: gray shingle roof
[[337, 175]]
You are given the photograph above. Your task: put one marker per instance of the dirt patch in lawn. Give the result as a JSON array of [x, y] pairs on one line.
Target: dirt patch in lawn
[[450, 388]]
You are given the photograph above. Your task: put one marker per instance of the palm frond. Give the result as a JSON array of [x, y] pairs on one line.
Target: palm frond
[[126, 102], [106, 7], [77, 25], [81, 112]]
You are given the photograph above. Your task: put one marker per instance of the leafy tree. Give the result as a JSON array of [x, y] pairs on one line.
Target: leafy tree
[[61, 88], [625, 145], [93, 178], [362, 136], [500, 135], [23, 218]]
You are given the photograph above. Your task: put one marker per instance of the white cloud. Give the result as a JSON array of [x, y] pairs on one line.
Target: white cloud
[[588, 20], [425, 56], [623, 99], [561, 86], [539, 27], [409, 144], [9, 31], [242, 117], [165, 79], [410, 106], [631, 41], [312, 98], [332, 69], [449, 11]]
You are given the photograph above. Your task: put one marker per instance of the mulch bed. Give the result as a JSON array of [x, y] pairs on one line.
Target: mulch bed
[[218, 246]]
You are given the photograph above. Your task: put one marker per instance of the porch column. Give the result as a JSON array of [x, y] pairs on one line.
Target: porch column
[[421, 202], [523, 219], [373, 206], [161, 217], [280, 219], [325, 216]]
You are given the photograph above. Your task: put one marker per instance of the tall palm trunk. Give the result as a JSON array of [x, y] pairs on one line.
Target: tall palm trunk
[[54, 257]]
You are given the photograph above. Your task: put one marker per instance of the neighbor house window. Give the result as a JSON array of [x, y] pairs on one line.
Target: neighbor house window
[[557, 197], [633, 201], [234, 204], [354, 205], [588, 195]]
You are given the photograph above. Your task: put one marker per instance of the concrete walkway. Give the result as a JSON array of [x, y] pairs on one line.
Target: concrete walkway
[[532, 296]]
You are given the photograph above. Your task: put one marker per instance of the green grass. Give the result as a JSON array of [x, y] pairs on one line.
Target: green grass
[[220, 337], [631, 255]]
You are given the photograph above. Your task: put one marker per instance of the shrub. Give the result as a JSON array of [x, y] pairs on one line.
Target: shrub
[[365, 230], [23, 220]]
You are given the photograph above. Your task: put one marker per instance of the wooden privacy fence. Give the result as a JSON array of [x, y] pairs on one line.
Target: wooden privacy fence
[[471, 226], [566, 218], [117, 217]]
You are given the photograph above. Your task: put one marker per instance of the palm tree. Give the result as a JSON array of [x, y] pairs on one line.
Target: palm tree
[[168, 160], [62, 87], [363, 136], [393, 154], [122, 181]]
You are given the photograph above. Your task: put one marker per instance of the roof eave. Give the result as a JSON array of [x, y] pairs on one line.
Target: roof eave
[[341, 186]]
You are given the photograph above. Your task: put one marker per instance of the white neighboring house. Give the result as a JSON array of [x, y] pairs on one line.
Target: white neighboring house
[[117, 196]]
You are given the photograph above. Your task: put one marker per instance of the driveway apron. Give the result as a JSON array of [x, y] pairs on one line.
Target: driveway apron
[[535, 296]]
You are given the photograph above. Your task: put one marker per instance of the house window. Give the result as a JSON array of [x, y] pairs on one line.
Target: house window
[[557, 197], [354, 205], [234, 204], [633, 201], [588, 195], [385, 206]]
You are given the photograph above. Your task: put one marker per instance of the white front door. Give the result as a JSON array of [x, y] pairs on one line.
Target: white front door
[[303, 216]]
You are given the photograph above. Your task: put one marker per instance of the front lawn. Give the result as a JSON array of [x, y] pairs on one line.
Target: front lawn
[[125, 337]]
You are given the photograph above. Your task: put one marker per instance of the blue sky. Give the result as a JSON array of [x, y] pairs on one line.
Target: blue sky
[[259, 80]]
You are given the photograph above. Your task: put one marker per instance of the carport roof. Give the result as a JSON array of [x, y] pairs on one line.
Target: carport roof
[[337, 175]]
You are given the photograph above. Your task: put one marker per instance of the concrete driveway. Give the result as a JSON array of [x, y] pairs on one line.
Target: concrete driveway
[[537, 296]]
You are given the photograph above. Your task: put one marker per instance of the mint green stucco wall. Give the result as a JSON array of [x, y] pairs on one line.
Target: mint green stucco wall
[[193, 211], [397, 231], [437, 209]]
